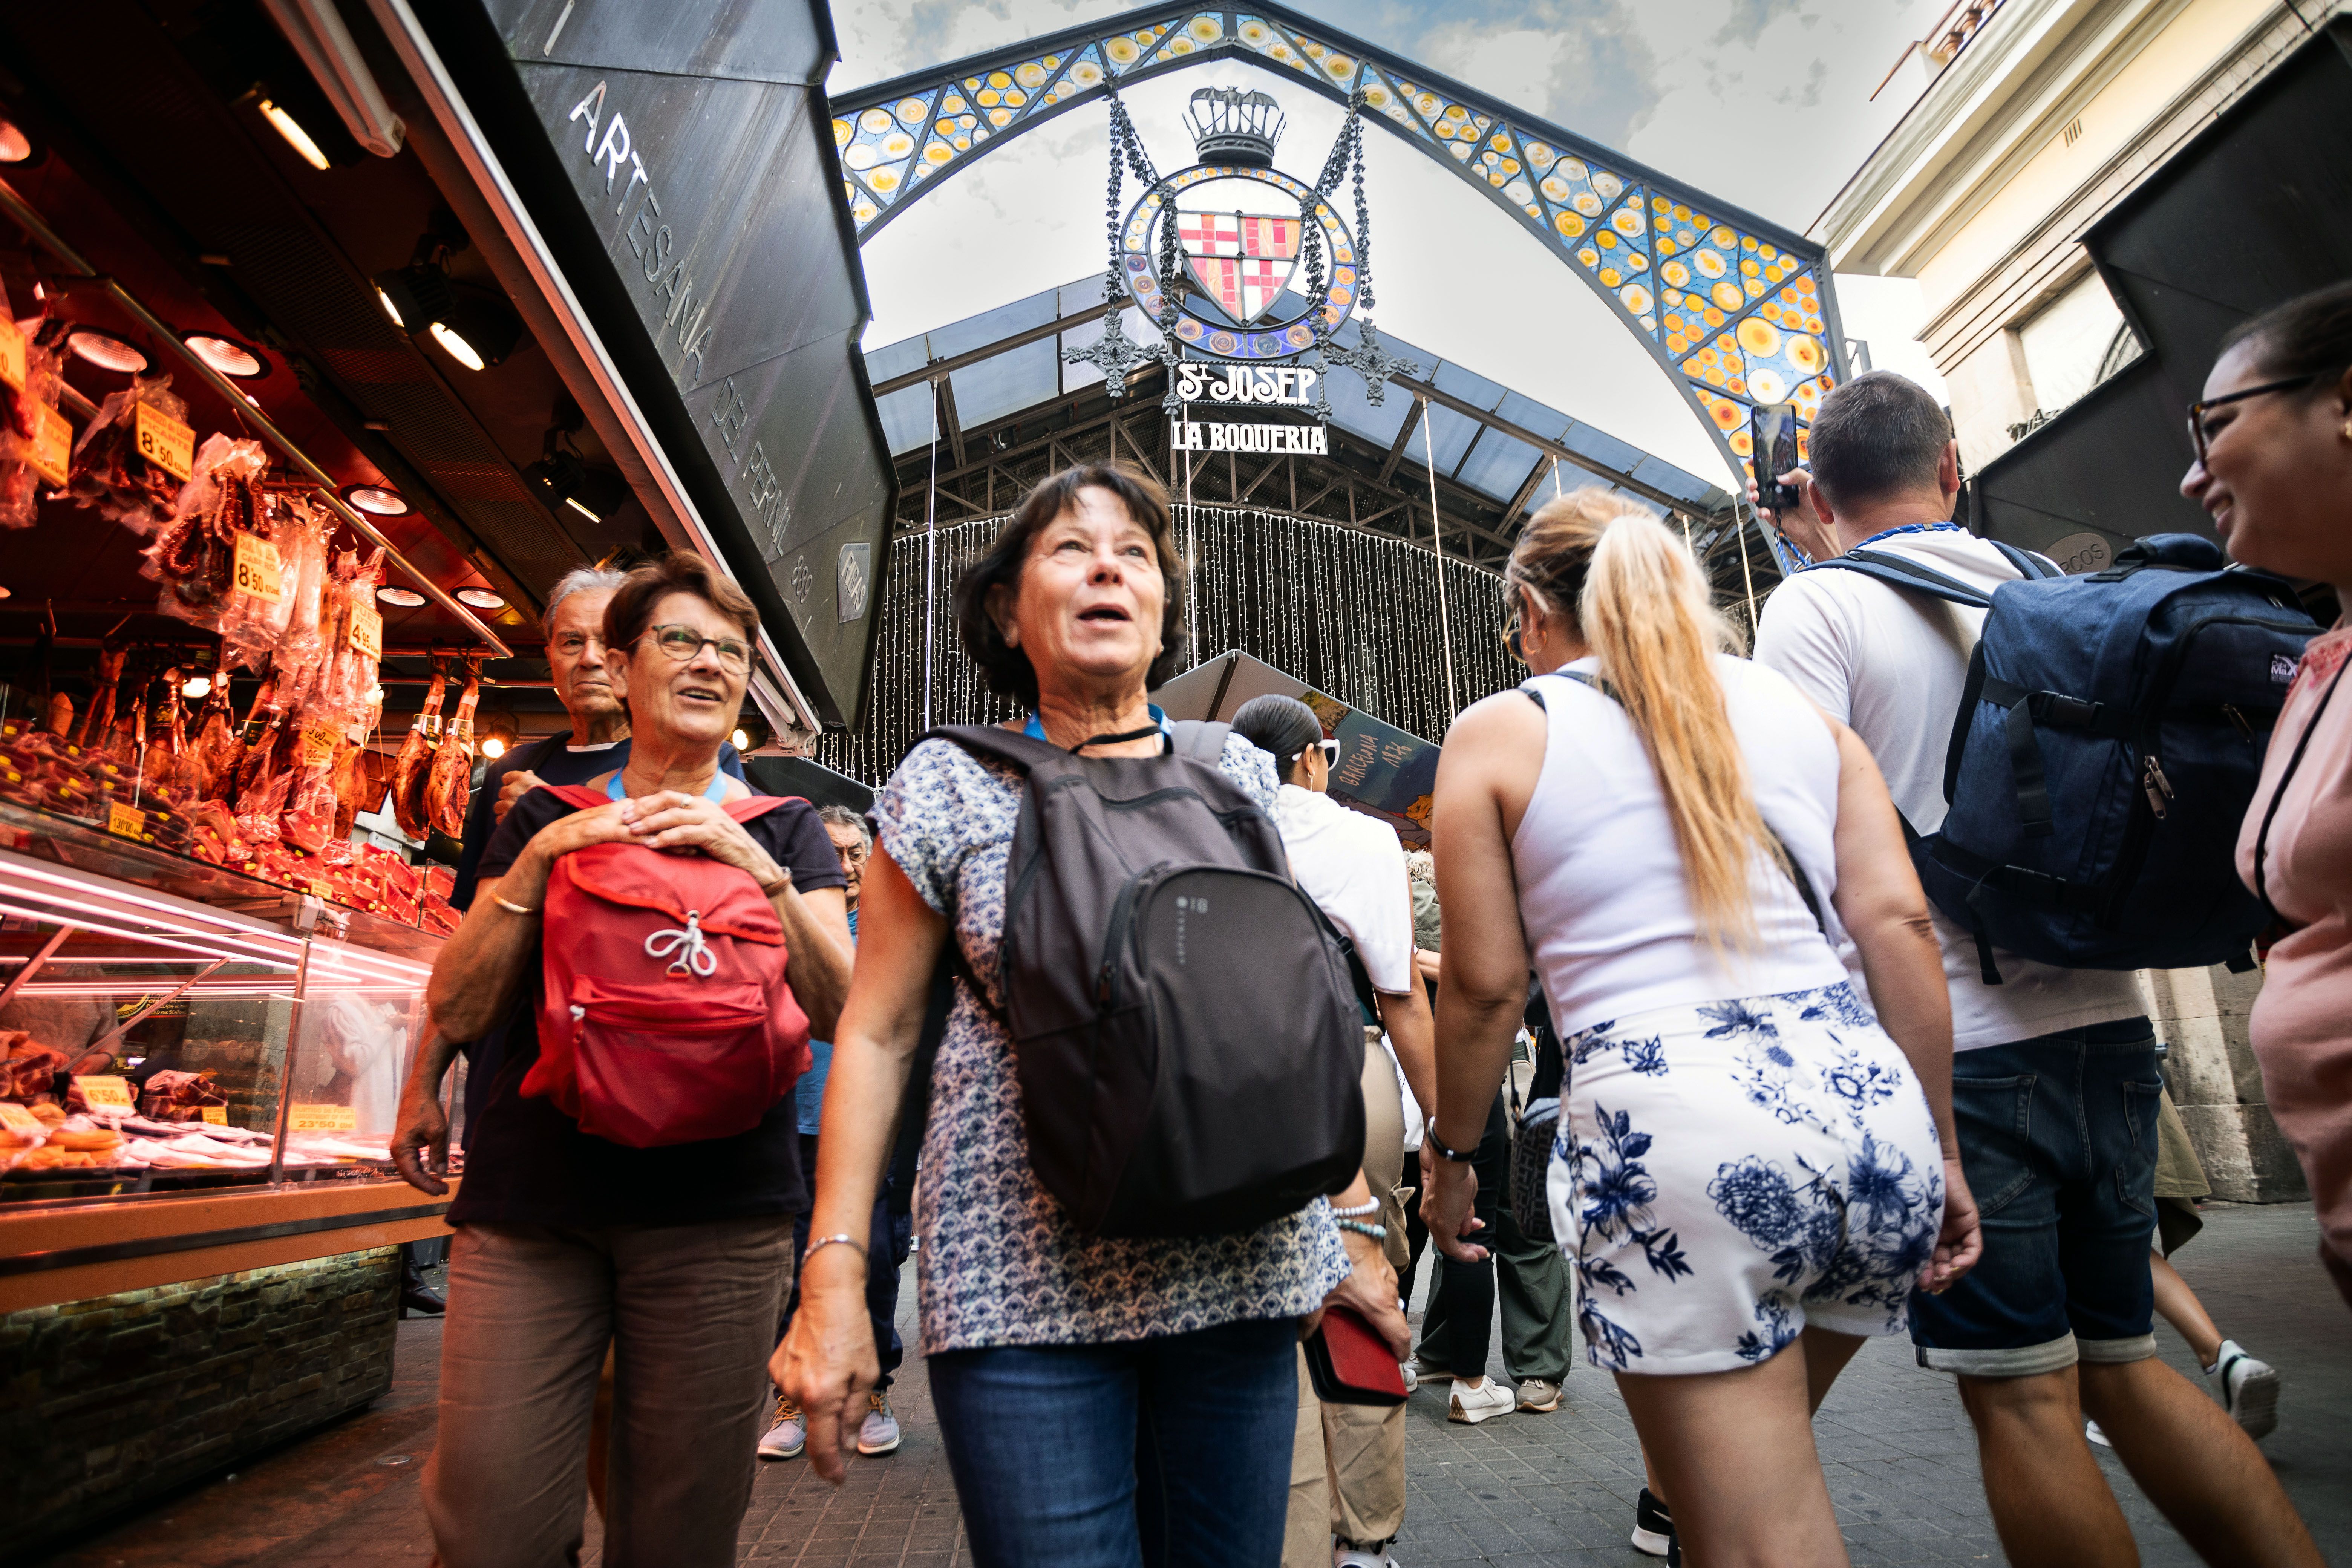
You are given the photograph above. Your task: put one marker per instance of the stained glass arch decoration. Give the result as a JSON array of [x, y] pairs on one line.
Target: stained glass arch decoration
[[1736, 310]]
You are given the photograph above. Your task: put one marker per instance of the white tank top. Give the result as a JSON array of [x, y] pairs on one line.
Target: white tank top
[[1602, 894]]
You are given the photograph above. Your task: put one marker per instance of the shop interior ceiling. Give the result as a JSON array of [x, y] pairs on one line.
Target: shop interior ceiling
[[150, 154]]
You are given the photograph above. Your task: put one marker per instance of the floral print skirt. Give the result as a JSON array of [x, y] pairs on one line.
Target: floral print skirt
[[1729, 1172]]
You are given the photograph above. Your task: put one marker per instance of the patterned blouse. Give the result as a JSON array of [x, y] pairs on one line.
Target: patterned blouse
[[1001, 1263]]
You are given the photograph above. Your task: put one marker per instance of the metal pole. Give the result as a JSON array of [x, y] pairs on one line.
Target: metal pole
[[1192, 566], [1748, 576], [33, 964], [930, 554], [1438, 542], [32, 223]]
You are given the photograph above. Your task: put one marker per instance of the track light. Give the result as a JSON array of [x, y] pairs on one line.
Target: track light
[[493, 748], [376, 500], [478, 329], [226, 355], [413, 297], [197, 686], [286, 125], [562, 479], [16, 147]]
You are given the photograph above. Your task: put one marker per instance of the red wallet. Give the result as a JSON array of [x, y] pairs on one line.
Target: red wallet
[[1349, 1363]]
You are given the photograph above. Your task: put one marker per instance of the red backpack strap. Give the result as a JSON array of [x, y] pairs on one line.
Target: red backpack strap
[[744, 810], [579, 797]]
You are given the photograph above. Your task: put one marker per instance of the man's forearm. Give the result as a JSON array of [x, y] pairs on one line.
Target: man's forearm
[[431, 1068]]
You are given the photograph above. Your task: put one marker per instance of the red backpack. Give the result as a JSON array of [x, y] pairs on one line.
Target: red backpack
[[666, 1018]]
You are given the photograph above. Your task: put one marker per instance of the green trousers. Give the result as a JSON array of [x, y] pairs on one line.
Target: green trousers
[[1532, 1279]]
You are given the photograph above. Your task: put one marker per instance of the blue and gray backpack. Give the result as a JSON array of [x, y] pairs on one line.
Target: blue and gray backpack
[[2106, 747]]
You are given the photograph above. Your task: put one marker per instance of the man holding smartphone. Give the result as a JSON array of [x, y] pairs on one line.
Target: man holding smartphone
[[2055, 1321]]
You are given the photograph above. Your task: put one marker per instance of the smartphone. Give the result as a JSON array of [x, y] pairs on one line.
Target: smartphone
[[1772, 437]]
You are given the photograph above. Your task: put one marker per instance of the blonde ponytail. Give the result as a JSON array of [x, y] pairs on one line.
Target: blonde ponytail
[[1643, 605]]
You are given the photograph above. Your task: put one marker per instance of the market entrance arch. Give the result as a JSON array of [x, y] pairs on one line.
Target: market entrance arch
[[1735, 310]]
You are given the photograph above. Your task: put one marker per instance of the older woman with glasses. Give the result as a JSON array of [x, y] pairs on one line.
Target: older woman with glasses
[[2274, 440], [678, 1255]]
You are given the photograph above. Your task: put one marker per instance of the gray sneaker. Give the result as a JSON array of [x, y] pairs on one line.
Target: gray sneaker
[[788, 1435], [878, 1433]]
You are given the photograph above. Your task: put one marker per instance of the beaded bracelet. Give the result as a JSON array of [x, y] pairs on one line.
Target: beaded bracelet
[[1357, 1211], [1377, 1232]]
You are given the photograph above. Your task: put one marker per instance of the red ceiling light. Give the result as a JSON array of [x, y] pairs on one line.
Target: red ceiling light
[[107, 351], [376, 500], [226, 355]]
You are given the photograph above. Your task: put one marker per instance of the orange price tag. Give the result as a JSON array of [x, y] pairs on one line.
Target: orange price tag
[[303, 1118], [12, 355], [258, 570], [319, 747], [128, 820], [52, 454], [367, 631], [215, 1114], [111, 1093], [22, 1123], [165, 442]]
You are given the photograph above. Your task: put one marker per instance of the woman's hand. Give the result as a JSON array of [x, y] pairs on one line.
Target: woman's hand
[[599, 824], [1960, 1242], [673, 820], [827, 1359], [1370, 1289], [1449, 1188]]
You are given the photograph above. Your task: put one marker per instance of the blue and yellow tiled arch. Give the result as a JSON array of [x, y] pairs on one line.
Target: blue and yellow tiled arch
[[1737, 310]]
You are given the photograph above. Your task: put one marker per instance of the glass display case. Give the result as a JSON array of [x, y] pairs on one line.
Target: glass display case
[[171, 1026]]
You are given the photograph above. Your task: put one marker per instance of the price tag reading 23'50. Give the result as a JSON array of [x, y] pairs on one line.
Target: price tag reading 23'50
[[257, 569], [302, 1117]]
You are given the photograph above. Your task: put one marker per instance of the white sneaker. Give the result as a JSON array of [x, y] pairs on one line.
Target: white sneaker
[[1475, 1404], [2247, 1387], [788, 1436], [2091, 1431], [1411, 1378], [1360, 1557]]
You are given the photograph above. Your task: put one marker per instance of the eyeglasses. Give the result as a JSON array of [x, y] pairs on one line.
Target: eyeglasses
[[684, 643], [1511, 642], [2199, 436], [1330, 750]]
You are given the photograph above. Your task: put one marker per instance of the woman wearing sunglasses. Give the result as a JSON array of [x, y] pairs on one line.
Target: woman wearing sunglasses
[[678, 1256], [2274, 442], [1347, 1465]]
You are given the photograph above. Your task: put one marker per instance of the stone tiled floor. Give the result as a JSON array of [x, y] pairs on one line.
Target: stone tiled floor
[[1522, 1489]]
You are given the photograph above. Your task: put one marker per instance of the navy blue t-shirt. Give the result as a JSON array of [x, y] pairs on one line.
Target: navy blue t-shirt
[[529, 1163]]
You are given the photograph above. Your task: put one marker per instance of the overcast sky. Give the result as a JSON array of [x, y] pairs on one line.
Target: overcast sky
[[1762, 103]]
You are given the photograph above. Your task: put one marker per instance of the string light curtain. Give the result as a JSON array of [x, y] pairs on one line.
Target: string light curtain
[[1352, 615]]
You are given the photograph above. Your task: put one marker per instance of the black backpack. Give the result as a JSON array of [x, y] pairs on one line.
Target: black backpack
[[1185, 1032]]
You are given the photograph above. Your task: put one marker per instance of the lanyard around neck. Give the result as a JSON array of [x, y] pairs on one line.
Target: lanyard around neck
[[716, 793], [1036, 730]]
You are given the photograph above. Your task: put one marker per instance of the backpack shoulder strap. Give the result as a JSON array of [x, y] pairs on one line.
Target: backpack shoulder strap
[[994, 743], [1897, 573], [580, 798], [1203, 740], [2030, 566], [2302, 743], [750, 806]]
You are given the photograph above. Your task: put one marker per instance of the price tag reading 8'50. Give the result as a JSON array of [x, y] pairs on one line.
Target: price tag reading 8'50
[[12, 355], [165, 442], [367, 631], [258, 570]]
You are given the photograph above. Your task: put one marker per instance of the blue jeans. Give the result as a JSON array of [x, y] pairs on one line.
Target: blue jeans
[[1173, 1450], [2058, 1142]]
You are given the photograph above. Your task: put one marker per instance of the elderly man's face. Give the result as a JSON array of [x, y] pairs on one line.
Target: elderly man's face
[[850, 846], [575, 655]]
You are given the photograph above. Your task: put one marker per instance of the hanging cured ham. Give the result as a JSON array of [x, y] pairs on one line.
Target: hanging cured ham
[[167, 739], [99, 716], [410, 768], [214, 752], [453, 764]]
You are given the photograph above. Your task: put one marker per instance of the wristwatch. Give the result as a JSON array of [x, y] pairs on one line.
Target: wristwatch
[[1438, 1145]]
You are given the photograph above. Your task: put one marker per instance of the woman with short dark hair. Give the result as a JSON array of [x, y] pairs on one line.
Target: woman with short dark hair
[[676, 1255], [2274, 444], [1104, 1401]]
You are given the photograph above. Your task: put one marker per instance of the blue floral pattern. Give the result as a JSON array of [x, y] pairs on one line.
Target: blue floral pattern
[[1001, 1263], [1778, 1147]]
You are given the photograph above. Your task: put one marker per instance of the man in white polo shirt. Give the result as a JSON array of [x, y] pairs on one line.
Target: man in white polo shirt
[[2054, 1079]]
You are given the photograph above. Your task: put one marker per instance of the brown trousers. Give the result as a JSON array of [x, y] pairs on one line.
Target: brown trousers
[[1347, 1461], [689, 1313]]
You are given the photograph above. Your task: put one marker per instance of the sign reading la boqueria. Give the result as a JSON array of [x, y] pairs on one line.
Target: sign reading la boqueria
[[1280, 386]]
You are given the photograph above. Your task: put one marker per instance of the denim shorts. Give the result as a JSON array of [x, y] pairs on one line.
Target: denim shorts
[[2058, 1141]]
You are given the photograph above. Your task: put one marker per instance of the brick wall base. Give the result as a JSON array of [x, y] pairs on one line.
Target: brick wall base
[[107, 1403]]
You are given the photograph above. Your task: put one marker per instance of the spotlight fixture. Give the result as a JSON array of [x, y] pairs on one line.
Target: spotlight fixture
[[742, 741], [197, 686], [478, 329], [226, 355], [414, 296], [492, 747], [16, 147], [107, 351], [376, 500], [562, 479], [480, 599], [406, 598], [286, 125]]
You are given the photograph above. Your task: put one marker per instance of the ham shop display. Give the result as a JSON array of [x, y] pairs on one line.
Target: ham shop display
[[444, 782], [417, 754]]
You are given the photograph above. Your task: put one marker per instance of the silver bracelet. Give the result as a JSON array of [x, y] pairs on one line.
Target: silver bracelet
[[1357, 1211], [822, 1241]]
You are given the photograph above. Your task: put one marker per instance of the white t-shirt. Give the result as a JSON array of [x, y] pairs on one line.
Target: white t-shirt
[[1352, 866], [1892, 665], [1603, 892]]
